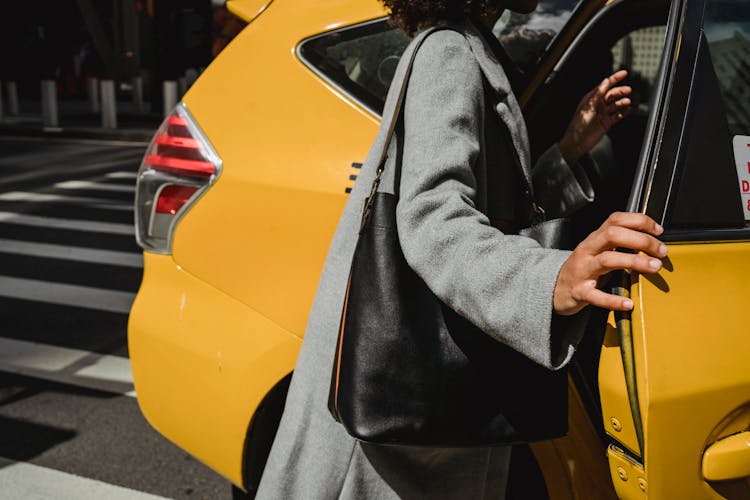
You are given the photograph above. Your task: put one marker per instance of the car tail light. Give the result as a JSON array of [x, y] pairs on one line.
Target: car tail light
[[178, 167]]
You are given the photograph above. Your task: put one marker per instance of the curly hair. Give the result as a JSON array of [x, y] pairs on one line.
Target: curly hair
[[414, 15]]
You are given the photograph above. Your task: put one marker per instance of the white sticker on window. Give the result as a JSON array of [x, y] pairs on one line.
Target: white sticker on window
[[742, 160]]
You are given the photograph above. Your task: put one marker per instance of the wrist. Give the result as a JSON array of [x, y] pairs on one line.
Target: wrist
[[568, 150]]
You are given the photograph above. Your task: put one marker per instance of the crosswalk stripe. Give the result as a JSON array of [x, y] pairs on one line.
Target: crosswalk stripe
[[24, 480], [125, 207], [66, 365], [99, 186], [61, 198], [95, 142], [122, 175], [86, 297], [62, 223], [79, 254]]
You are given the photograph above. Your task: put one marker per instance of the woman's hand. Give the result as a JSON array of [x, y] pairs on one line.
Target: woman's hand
[[597, 112], [596, 256]]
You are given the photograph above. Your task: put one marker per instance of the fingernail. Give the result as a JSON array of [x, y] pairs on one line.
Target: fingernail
[[662, 249], [659, 229], [627, 304], [654, 264]]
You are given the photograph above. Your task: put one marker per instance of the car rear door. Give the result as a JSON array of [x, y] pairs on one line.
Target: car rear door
[[674, 375]]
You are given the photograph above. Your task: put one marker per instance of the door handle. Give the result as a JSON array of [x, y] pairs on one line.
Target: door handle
[[728, 458]]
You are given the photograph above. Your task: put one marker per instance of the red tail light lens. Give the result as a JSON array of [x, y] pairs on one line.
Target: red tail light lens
[[177, 152], [179, 165], [172, 198]]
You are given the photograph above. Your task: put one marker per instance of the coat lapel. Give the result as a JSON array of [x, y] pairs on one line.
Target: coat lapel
[[507, 107]]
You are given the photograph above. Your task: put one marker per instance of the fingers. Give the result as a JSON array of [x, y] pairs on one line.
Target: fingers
[[611, 237], [613, 103], [611, 260], [611, 81], [627, 230], [618, 76], [634, 220], [618, 106], [597, 298], [596, 256], [617, 93]]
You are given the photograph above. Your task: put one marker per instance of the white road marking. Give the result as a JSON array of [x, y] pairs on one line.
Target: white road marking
[[61, 223], [78, 254], [98, 186], [66, 365], [97, 142], [86, 297], [122, 175], [33, 482], [127, 207], [61, 198]]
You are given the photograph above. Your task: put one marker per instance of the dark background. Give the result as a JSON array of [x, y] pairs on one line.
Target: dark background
[[71, 40]]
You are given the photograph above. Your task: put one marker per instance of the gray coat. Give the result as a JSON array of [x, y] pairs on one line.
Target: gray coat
[[458, 173]]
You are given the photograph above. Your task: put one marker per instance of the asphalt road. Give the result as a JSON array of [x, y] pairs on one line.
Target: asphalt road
[[70, 427]]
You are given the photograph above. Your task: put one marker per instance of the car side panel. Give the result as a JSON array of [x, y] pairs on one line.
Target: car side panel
[[262, 232], [202, 362], [691, 335]]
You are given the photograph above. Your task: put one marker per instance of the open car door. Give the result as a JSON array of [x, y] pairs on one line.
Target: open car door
[[674, 376]]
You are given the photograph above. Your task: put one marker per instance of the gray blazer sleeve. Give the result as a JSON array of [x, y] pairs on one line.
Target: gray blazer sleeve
[[502, 283], [558, 187]]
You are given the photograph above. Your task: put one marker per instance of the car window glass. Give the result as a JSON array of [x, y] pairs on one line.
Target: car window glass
[[715, 146], [727, 29], [362, 59], [627, 35], [640, 53], [525, 36]]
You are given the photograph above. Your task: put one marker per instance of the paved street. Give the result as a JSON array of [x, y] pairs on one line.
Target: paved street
[[70, 427]]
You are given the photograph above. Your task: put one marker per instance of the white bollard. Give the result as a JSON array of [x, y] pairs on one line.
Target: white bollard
[[137, 83], [93, 90], [108, 104], [49, 104], [12, 90], [170, 96]]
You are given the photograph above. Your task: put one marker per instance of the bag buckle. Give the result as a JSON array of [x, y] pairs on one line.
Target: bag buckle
[[368, 201], [539, 214]]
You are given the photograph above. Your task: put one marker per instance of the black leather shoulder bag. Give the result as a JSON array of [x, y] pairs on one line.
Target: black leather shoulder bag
[[409, 370]]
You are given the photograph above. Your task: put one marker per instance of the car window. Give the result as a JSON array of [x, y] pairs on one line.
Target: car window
[[640, 53], [727, 29], [624, 35], [713, 179], [362, 59], [526, 36]]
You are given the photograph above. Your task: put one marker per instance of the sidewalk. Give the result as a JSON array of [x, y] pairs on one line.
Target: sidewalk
[[77, 121]]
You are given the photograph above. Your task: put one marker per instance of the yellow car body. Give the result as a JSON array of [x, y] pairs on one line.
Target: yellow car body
[[217, 324]]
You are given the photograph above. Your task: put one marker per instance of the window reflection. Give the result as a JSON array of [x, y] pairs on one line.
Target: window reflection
[[525, 36], [727, 29]]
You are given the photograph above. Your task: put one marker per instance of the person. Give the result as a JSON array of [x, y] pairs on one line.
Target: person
[[457, 179]]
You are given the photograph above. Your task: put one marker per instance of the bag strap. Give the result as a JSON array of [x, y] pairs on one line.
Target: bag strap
[[538, 212], [394, 117]]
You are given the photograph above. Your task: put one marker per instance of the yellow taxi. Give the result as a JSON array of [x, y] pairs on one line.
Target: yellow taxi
[[241, 188]]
